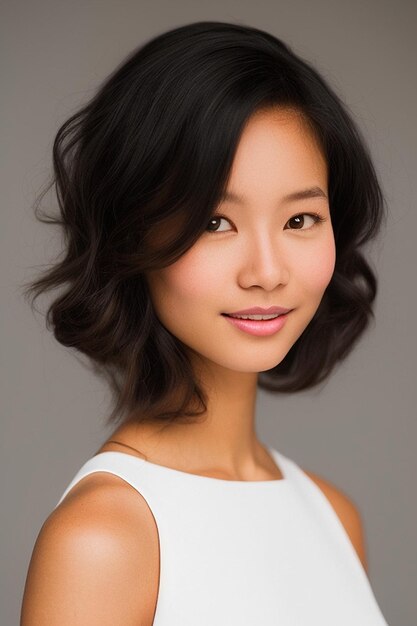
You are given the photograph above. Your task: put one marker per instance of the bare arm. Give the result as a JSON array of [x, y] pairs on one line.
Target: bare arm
[[91, 563], [348, 514]]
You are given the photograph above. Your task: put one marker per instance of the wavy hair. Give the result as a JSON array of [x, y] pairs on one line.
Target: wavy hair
[[150, 153]]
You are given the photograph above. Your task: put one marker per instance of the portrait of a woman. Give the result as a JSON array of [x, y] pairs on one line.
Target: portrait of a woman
[[215, 195]]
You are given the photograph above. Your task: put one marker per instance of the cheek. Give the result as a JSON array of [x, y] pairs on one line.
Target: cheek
[[185, 285], [318, 267]]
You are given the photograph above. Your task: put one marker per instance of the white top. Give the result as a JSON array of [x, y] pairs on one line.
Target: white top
[[239, 553]]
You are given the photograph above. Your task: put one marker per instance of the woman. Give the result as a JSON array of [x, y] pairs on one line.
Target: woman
[[214, 196]]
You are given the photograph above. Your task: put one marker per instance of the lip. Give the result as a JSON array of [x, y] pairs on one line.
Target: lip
[[257, 310], [261, 328]]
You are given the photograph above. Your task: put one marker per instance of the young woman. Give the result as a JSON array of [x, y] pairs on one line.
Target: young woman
[[214, 194]]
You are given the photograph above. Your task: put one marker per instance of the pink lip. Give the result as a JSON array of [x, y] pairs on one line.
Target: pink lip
[[257, 310], [260, 328]]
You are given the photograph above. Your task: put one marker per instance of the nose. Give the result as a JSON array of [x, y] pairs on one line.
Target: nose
[[264, 263]]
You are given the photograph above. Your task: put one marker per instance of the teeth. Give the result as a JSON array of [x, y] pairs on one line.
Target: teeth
[[255, 317]]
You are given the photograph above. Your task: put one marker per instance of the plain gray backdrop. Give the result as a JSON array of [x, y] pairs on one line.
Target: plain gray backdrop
[[359, 428]]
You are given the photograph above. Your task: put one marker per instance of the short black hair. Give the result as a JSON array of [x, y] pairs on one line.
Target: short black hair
[[154, 147]]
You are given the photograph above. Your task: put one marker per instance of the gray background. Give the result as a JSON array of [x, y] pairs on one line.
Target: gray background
[[359, 428]]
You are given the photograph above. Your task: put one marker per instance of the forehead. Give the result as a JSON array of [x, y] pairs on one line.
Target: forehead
[[283, 119], [278, 147]]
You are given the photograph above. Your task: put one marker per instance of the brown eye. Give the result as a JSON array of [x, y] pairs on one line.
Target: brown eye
[[211, 227], [299, 220]]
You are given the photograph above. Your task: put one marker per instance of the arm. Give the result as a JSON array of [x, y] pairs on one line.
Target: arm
[[348, 514], [91, 563]]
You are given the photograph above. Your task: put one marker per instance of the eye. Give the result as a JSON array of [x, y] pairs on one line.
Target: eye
[[298, 219], [213, 219]]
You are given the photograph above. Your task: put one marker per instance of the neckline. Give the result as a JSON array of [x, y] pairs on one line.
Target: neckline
[[164, 469]]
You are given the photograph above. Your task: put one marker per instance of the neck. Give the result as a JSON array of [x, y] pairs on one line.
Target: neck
[[222, 442]]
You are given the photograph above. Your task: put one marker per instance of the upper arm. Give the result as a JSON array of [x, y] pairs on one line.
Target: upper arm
[[348, 514], [89, 567]]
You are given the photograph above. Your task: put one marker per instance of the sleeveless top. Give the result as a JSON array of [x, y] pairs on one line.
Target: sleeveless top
[[240, 553]]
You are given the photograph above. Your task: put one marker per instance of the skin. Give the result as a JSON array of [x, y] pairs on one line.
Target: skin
[[258, 256]]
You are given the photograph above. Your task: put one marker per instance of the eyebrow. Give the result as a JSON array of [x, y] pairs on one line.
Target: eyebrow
[[303, 194]]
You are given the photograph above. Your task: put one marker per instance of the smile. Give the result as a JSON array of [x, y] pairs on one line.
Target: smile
[[260, 327]]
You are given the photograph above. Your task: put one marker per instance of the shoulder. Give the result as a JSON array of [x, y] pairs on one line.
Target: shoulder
[[95, 558], [347, 511]]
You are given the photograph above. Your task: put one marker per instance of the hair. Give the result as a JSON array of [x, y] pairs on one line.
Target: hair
[[152, 152]]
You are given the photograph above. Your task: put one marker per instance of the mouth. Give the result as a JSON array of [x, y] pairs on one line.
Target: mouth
[[256, 318], [259, 325]]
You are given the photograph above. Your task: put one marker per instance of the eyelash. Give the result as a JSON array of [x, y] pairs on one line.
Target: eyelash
[[317, 219]]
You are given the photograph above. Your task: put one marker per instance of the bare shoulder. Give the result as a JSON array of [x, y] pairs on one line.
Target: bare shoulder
[[348, 513], [95, 560]]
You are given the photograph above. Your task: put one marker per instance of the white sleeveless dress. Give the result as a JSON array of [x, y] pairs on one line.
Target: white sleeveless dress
[[237, 553]]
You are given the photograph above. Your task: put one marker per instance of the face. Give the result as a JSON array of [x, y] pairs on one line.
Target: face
[[261, 250]]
